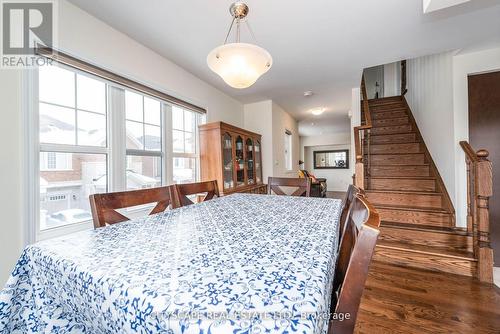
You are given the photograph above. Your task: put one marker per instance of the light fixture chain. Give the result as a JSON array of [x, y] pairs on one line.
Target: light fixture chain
[[238, 30], [230, 28], [251, 31]]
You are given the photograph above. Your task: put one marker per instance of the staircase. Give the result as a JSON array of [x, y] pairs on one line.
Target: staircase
[[418, 220]]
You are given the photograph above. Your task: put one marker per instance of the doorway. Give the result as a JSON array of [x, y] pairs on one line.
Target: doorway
[[484, 132]]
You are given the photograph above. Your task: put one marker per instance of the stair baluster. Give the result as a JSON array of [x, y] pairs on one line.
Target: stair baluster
[[359, 138]]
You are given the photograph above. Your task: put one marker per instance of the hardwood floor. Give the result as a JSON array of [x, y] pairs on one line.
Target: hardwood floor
[[406, 300], [335, 194]]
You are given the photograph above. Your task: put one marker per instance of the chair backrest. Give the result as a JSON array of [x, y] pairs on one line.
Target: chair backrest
[[181, 191], [303, 185], [104, 206], [353, 262], [352, 192]]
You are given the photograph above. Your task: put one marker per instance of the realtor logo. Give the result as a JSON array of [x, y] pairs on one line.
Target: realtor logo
[[24, 26]]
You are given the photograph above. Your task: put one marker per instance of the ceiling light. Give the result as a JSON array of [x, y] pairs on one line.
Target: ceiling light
[[239, 64], [317, 111]]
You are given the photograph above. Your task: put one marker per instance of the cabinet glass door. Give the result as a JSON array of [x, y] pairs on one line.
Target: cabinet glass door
[[250, 161], [227, 156], [258, 162], [240, 162]]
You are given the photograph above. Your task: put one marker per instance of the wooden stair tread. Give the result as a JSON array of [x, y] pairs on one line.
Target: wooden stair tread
[[385, 144], [395, 153], [404, 177], [434, 251], [409, 165], [391, 134], [435, 193], [425, 228], [410, 208]]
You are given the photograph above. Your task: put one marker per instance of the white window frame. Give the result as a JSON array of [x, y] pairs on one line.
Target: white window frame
[[116, 151], [199, 119], [39, 234]]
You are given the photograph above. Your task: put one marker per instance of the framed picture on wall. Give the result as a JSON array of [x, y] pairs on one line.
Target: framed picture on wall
[[331, 159]]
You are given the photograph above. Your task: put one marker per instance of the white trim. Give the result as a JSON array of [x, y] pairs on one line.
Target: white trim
[[144, 153], [31, 155], [117, 179]]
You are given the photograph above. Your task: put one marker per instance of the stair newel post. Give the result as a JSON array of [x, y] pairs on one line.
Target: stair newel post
[[483, 190], [358, 167], [359, 173]]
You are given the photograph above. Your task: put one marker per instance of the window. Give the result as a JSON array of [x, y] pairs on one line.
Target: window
[[288, 150], [184, 144], [73, 144], [143, 124], [96, 136]]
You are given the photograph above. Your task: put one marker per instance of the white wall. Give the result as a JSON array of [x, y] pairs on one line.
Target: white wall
[[430, 97], [392, 79], [87, 38], [11, 177], [270, 120], [337, 179], [355, 115], [283, 121], [464, 64], [259, 118], [372, 76]]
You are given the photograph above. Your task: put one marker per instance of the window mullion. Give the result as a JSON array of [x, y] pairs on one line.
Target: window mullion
[[168, 135], [117, 139], [75, 109]]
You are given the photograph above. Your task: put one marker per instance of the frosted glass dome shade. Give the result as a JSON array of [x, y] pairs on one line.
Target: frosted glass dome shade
[[239, 64]]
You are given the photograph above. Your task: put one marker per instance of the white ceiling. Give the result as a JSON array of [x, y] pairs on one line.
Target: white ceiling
[[318, 45]]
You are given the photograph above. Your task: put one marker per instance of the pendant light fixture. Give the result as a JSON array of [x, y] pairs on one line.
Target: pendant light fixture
[[239, 64]]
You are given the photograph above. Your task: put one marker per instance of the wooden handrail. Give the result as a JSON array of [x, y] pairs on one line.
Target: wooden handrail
[[469, 152], [479, 191], [359, 174]]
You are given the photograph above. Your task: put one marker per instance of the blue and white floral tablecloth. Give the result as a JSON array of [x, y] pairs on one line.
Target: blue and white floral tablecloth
[[237, 264]]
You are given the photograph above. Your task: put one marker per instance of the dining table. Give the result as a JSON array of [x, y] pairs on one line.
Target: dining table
[[242, 263]]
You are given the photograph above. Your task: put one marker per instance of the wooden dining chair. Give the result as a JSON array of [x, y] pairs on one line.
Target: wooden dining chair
[[181, 192], [352, 192], [353, 262], [303, 185], [104, 206]]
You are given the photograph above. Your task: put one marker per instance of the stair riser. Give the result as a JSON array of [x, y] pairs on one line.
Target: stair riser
[[399, 170], [393, 139], [425, 261], [379, 115], [391, 121], [387, 104], [385, 99], [391, 129], [450, 241], [398, 159], [394, 148], [401, 184], [412, 200], [415, 217]]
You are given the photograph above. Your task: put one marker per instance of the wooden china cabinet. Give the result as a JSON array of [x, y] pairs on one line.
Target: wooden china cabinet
[[232, 156]]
